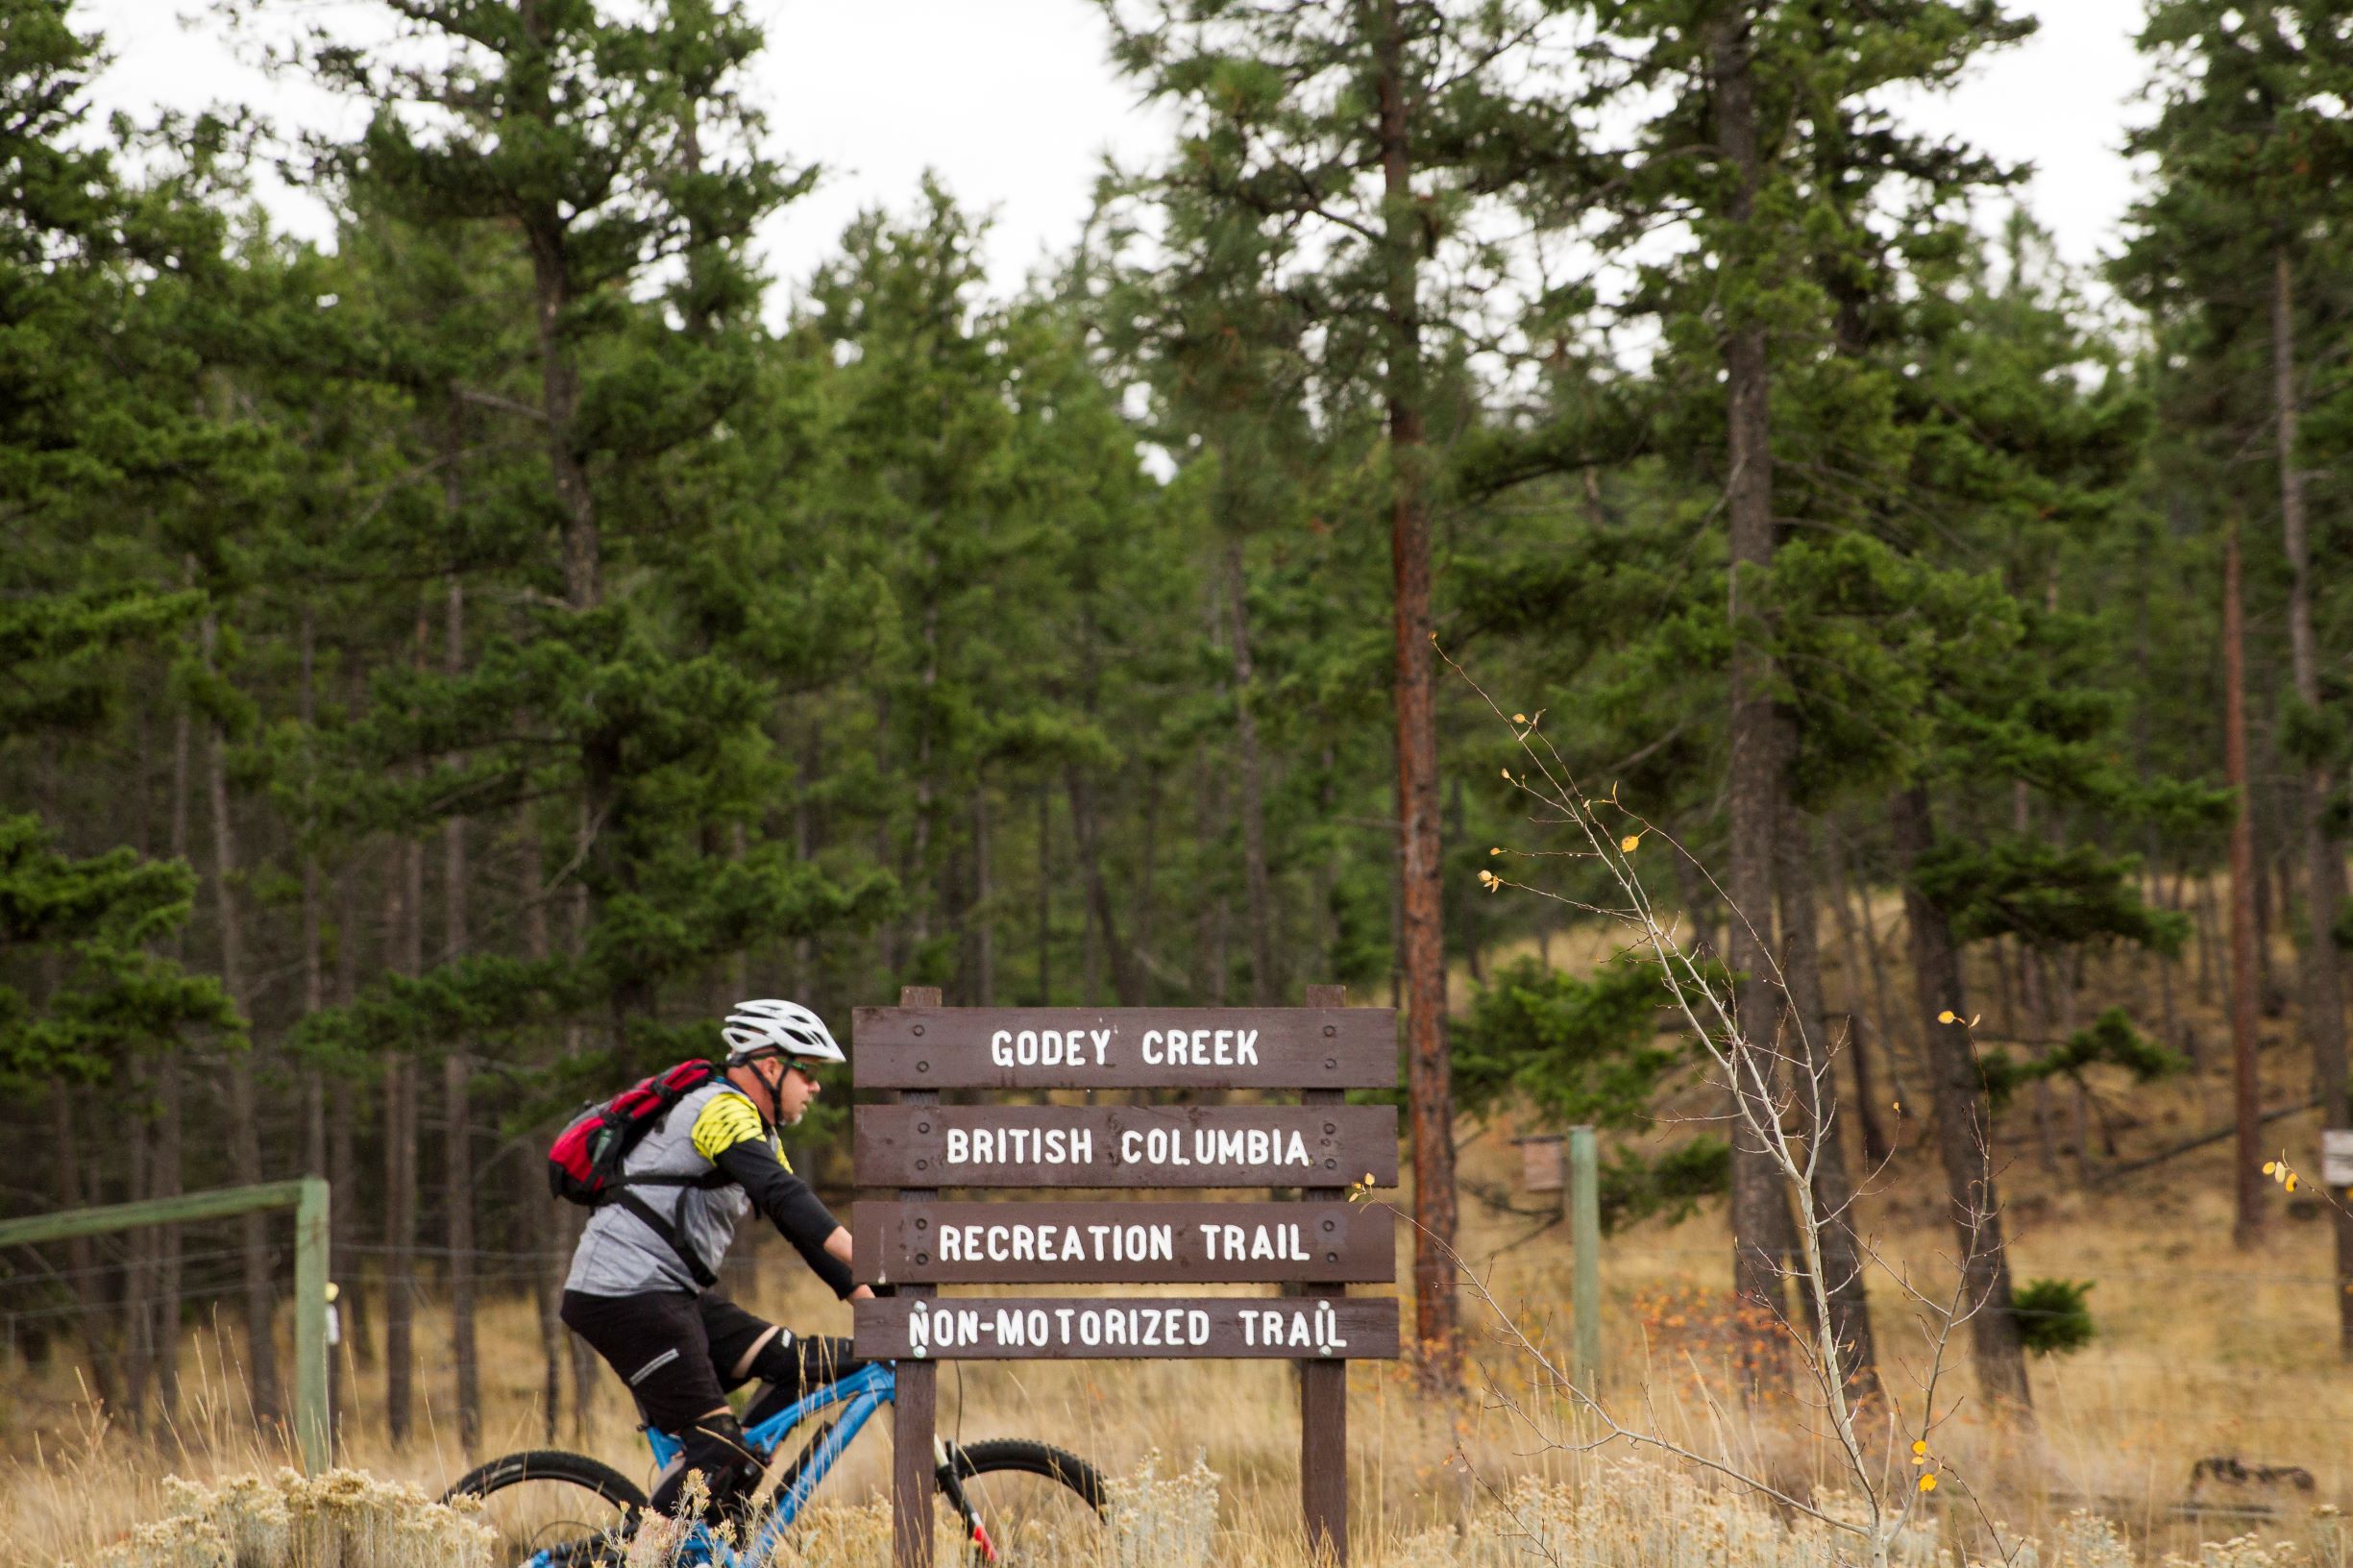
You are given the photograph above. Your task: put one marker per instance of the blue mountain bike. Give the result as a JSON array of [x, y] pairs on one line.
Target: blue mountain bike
[[1009, 1500]]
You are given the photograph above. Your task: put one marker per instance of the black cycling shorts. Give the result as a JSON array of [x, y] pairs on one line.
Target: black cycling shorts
[[676, 1351]]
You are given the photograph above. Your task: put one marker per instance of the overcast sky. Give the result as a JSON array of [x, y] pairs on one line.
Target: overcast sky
[[1012, 102]]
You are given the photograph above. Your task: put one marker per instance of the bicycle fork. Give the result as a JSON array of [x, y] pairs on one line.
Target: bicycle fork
[[944, 1455]]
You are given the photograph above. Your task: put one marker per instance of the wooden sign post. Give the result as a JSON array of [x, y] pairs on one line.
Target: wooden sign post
[[1314, 1248]]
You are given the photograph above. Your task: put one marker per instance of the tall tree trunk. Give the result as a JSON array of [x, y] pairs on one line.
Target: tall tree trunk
[[316, 1159], [343, 1156], [1045, 893], [166, 1175], [1210, 828], [984, 912], [1753, 785], [1142, 936], [1256, 878], [545, 1230], [2324, 874], [1428, 1077], [80, 1255], [922, 885], [166, 1179], [244, 1106], [804, 845], [139, 1279], [457, 1067], [2208, 937], [458, 1197], [2245, 978], [1875, 1147], [1126, 974], [314, 918], [1817, 1102], [1964, 1120], [405, 917]]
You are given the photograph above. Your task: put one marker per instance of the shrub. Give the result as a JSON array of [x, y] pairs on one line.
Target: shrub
[[2052, 1315]]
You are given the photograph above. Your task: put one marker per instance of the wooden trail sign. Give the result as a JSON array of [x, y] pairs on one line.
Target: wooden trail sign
[[1127, 1243], [1143, 1047], [1125, 1145], [1077, 1328], [1322, 1147]]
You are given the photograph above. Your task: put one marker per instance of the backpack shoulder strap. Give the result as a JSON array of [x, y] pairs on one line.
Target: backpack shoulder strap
[[666, 1227]]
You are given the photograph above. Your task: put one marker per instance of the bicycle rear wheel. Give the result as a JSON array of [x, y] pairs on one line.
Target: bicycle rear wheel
[[553, 1509], [1019, 1503]]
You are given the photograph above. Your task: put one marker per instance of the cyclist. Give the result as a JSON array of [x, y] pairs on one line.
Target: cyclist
[[639, 1290]]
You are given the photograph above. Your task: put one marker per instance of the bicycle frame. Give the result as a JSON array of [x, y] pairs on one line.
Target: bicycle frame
[[862, 1393]]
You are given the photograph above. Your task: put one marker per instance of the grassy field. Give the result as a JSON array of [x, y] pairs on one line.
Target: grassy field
[[2203, 1351]]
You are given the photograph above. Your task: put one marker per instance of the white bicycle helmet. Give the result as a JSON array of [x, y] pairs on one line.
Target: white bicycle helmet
[[777, 1028]]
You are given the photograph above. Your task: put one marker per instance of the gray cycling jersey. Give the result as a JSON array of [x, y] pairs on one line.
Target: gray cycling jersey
[[621, 1255]]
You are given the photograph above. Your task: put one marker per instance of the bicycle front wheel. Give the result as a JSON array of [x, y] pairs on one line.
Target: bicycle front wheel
[[1019, 1502], [552, 1509]]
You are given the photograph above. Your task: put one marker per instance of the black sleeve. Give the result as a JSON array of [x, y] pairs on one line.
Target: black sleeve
[[799, 1214]]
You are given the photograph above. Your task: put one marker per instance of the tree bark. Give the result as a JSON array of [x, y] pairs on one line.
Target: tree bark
[[984, 913], [457, 1067], [167, 1179], [405, 917], [1753, 786], [2324, 874], [1876, 1145], [1045, 895], [80, 1255], [545, 1230], [2244, 972], [1258, 881], [343, 1157], [1964, 1120], [139, 1279], [1126, 974], [458, 1197], [244, 1106], [314, 918], [1428, 1078], [1816, 1103]]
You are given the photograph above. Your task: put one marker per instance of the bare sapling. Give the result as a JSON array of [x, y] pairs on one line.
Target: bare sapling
[[1779, 1085]]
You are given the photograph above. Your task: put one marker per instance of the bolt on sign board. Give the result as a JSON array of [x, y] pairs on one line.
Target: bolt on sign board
[[1314, 1248]]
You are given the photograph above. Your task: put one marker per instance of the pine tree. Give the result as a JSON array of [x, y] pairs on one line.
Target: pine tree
[[2240, 254]]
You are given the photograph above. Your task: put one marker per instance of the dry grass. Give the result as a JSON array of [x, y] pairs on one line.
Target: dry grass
[[2203, 1351]]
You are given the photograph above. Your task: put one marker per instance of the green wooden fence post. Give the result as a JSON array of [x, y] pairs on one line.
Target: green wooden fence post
[[308, 1199], [313, 1422], [1585, 1233]]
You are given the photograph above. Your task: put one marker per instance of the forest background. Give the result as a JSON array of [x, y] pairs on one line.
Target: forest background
[[444, 665]]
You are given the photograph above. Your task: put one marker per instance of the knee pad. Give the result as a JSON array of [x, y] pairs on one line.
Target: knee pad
[[715, 1447], [778, 1361]]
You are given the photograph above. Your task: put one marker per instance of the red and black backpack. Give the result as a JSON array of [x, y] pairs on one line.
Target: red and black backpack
[[584, 1162]]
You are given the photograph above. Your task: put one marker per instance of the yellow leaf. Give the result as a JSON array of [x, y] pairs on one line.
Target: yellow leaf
[[2291, 1180], [1920, 1459], [1519, 717], [1945, 1017], [1497, 851], [1630, 842], [1921, 1446], [2269, 1166], [1928, 1483]]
